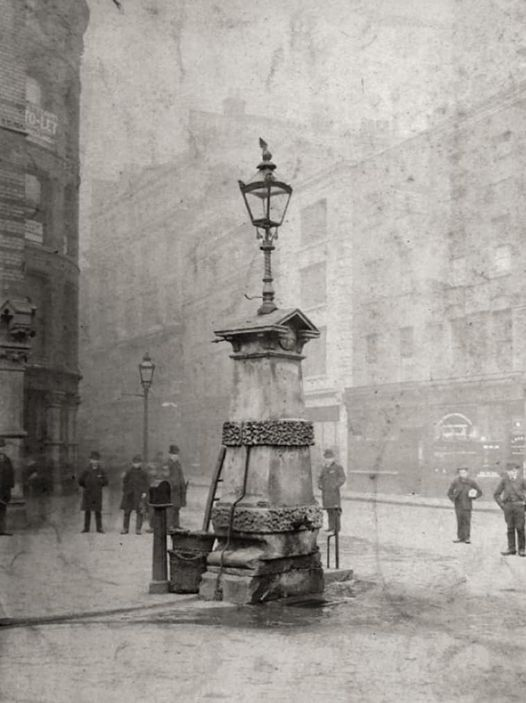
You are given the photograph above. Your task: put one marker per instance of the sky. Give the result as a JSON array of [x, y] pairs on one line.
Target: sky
[[406, 62]]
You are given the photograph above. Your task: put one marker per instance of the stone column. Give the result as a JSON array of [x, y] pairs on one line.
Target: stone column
[[267, 520], [55, 437], [72, 406]]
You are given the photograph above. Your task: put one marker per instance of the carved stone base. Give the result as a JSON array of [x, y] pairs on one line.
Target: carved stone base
[[268, 580], [248, 518]]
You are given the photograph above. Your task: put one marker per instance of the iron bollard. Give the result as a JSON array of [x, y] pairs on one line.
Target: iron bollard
[[336, 535], [160, 500]]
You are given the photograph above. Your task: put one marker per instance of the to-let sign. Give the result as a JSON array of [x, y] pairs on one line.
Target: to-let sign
[[41, 125]]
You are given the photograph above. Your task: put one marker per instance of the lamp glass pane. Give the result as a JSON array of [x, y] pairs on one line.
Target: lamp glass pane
[[146, 369], [278, 205]]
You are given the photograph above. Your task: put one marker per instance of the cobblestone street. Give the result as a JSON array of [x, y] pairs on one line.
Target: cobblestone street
[[424, 620]]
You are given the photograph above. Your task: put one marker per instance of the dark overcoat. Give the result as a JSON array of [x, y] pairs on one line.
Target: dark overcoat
[[134, 484], [7, 478], [177, 483], [331, 479], [92, 480], [458, 493]]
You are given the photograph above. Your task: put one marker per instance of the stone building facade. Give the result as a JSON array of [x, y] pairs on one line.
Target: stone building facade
[[40, 50], [408, 259], [413, 260]]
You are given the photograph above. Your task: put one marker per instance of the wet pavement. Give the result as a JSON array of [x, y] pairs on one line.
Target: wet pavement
[[423, 620]]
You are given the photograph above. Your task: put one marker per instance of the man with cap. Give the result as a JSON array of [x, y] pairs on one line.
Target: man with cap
[[331, 478], [510, 494], [7, 482], [178, 486], [462, 492], [134, 490], [92, 480]]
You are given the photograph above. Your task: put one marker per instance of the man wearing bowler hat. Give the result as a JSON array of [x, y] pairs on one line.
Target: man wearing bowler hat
[[134, 490], [92, 480], [510, 494], [7, 481], [462, 492]]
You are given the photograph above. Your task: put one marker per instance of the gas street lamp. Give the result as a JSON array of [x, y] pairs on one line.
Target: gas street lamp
[[266, 200], [146, 371]]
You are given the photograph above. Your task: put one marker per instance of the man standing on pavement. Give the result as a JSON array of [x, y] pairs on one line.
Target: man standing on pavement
[[510, 494], [7, 482], [93, 479], [331, 478], [462, 492], [178, 486], [134, 489]]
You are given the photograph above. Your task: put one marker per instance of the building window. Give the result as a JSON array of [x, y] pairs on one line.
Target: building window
[[458, 340], [34, 211], [476, 342], [41, 124], [33, 91], [371, 348], [502, 259], [406, 342], [502, 328], [315, 351], [314, 222], [313, 283]]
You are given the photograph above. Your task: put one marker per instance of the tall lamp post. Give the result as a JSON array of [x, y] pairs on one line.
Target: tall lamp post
[[266, 200], [146, 371]]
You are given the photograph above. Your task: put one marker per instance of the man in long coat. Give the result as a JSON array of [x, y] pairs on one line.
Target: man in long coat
[[134, 489], [7, 482], [178, 486], [462, 492], [93, 479], [510, 495], [39, 484], [331, 478]]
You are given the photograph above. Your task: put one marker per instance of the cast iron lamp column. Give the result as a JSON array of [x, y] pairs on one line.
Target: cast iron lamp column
[[146, 370], [266, 200]]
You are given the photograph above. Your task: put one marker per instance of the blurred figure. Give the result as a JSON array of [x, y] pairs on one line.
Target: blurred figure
[[462, 492], [154, 471], [40, 485], [92, 480], [178, 485], [510, 495], [134, 491], [7, 482], [331, 478]]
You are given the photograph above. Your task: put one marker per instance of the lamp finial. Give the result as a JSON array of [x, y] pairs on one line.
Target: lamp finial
[[266, 153]]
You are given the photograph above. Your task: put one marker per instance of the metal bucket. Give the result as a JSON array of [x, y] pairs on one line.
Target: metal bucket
[[188, 559]]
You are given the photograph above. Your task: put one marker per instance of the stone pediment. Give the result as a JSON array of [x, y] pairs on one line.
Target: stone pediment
[[281, 330]]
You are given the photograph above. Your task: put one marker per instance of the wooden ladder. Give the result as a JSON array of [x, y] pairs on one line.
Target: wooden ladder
[[212, 493]]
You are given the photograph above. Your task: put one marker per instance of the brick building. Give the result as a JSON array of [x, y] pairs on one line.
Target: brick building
[[40, 49]]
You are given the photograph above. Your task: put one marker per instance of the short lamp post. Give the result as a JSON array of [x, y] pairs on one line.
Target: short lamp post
[[146, 371], [266, 200]]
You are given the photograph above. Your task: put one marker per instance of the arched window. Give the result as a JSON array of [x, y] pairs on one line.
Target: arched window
[[33, 91], [34, 210]]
